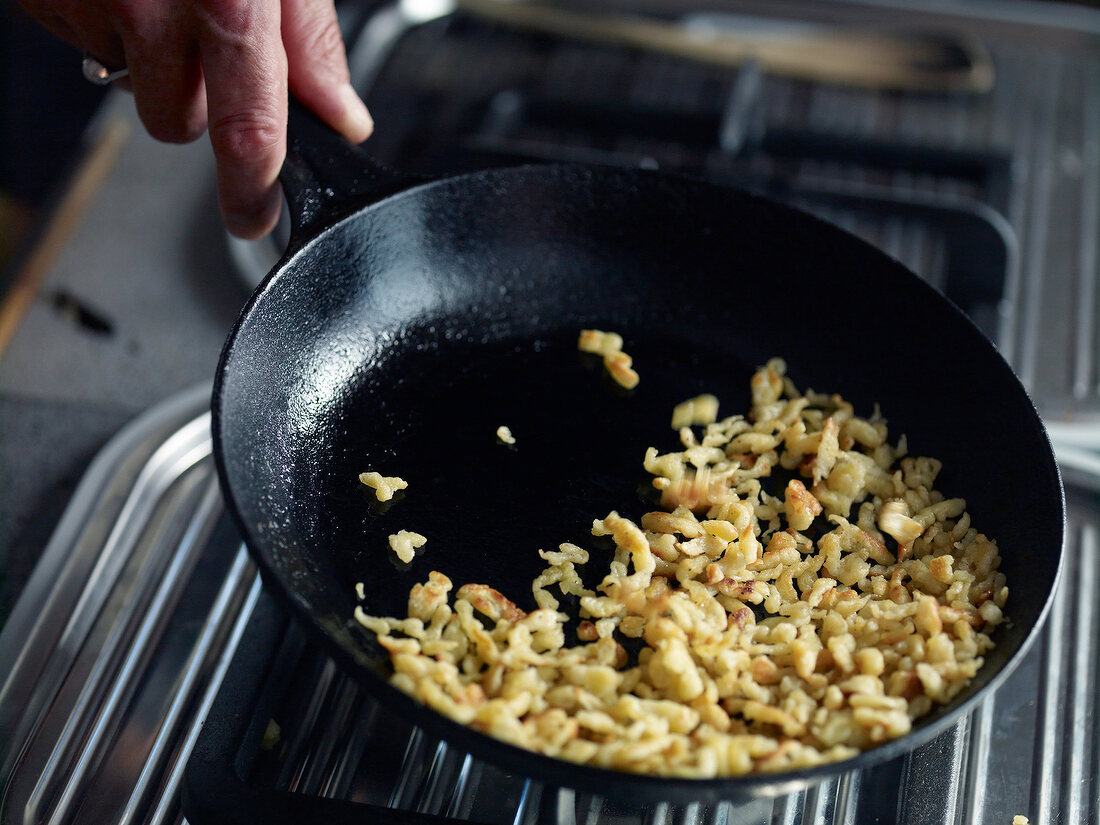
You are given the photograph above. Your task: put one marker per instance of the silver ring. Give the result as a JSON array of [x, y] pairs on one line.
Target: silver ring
[[95, 72]]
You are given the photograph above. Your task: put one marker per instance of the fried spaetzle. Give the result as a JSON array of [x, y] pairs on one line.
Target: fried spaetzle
[[803, 593]]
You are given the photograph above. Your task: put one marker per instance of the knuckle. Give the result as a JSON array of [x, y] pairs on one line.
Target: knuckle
[[227, 17], [245, 137], [128, 15]]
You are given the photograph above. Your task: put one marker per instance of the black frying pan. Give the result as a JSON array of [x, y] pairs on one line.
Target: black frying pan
[[409, 319]]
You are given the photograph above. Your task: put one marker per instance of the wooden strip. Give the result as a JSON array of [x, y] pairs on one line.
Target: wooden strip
[[86, 183], [16, 219], [846, 56]]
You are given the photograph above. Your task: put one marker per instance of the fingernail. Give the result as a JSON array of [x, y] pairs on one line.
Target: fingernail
[[358, 124]]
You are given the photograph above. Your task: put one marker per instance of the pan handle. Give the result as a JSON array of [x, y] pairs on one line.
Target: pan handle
[[325, 178]]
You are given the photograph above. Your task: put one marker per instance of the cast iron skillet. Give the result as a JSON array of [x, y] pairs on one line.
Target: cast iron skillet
[[409, 319]]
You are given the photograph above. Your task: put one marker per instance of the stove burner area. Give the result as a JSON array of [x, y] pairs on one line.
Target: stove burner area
[[146, 663], [146, 676]]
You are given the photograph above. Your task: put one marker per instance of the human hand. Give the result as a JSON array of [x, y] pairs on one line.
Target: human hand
[[223, 66]]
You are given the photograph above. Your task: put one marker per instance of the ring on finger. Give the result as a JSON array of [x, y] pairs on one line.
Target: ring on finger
[[97, 73]]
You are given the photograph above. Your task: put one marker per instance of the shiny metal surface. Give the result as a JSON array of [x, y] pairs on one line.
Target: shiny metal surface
[[122, 635]]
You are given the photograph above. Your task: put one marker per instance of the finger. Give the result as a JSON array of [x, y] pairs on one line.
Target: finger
[[83, 28], [244, 66], [53, 22], [318, 67], [165, 76]]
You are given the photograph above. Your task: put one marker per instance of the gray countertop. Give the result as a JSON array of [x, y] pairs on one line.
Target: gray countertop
[[149, 258]]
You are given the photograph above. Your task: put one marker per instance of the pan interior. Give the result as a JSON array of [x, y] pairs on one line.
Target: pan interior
[[487, 507], [402, 338]]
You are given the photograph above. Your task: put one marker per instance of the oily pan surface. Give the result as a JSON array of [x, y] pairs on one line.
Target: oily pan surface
[[400, 340]]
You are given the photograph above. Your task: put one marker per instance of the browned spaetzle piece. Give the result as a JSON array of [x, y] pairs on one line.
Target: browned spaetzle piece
[[609, 345]]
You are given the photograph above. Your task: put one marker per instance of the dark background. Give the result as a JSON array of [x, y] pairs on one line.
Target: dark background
[[45, 104]]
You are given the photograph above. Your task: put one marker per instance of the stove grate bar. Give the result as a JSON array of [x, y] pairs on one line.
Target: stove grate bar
[[1065, 738], [332, 708], [1085, 379], [167, 802], [787, 810], [413, 764], [527, 807], [157, 475], [444, 780], [976, 744], [1047, 759], [339, 782], [461, 798], [80, 748], [1081, 759], [240, 579]]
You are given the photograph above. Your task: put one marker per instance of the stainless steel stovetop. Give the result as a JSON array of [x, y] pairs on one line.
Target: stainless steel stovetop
[[145, 615]]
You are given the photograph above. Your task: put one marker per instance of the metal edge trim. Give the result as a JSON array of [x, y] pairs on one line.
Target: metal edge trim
[[148, 426], [1051, 15]]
